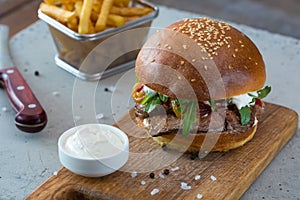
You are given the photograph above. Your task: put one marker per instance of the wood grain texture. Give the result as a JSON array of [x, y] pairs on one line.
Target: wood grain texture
[[235, 170]]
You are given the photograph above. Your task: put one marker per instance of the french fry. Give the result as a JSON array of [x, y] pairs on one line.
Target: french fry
[[90, 16], [97, 6], [130, 11], [131, 18], [85, 14], [102, 19], [68, 6], [49, 2], [57, 13], [91, 27], [94, 16], [115, 20], [73, 24], [78, 8], [121, 3]]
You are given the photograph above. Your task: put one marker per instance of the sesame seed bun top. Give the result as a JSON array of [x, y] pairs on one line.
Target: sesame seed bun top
[[200, 58]]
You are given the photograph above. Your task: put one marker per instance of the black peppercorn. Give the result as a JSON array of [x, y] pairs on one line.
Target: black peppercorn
[[151, 175], [164, 148], [36, 73], [193, 156], [106, 89], [166, 171]]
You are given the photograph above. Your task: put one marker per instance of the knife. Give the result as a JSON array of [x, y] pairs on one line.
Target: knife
[[30, 116]]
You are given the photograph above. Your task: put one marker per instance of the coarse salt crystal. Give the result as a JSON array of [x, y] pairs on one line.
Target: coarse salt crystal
[[99, 116], [154, 191], [184, 186], [133, 174], [55, 173], [161, 175], [213, 178], [55, 93], [199, 196], [77, 118], [174, 169], [197, 177], [143, 182]]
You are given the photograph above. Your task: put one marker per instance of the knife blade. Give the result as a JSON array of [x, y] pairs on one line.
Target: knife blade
[[30, 116]]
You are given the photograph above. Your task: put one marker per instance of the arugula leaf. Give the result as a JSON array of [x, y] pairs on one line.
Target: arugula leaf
[[163, 98], [150, 106], [148, 97], [136, 79], [263, 92], [245, 114], [212, 105], [189, 115]]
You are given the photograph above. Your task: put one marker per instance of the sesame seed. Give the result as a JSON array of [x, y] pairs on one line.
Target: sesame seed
[[250, 58], [193, 80], [193, 60], [205, 67], [169, 47], [179, 77], [228, 46], [229, 67], [233, 55], [240, 41], [242, 45], [256, 63], [166, 45], [236, 50], [153, 60], [184, 46], [182, 62]]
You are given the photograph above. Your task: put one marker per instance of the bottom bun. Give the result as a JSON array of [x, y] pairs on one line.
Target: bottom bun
[[193, 143]]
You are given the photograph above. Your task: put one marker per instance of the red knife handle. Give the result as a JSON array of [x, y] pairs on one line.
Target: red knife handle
[[30, 115]]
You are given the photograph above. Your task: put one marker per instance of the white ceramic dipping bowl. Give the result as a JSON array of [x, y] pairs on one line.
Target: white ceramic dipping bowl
[[92, 165]]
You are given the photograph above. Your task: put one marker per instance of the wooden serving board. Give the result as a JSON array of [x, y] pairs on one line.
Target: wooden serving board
[[234, 170]]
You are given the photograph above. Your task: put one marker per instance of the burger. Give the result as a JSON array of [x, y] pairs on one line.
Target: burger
[[199, 85]]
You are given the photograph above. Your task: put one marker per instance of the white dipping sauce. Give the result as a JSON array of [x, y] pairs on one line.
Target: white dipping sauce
[[93, 142]]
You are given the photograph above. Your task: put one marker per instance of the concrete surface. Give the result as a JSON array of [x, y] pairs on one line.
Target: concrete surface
[[27, 160]]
